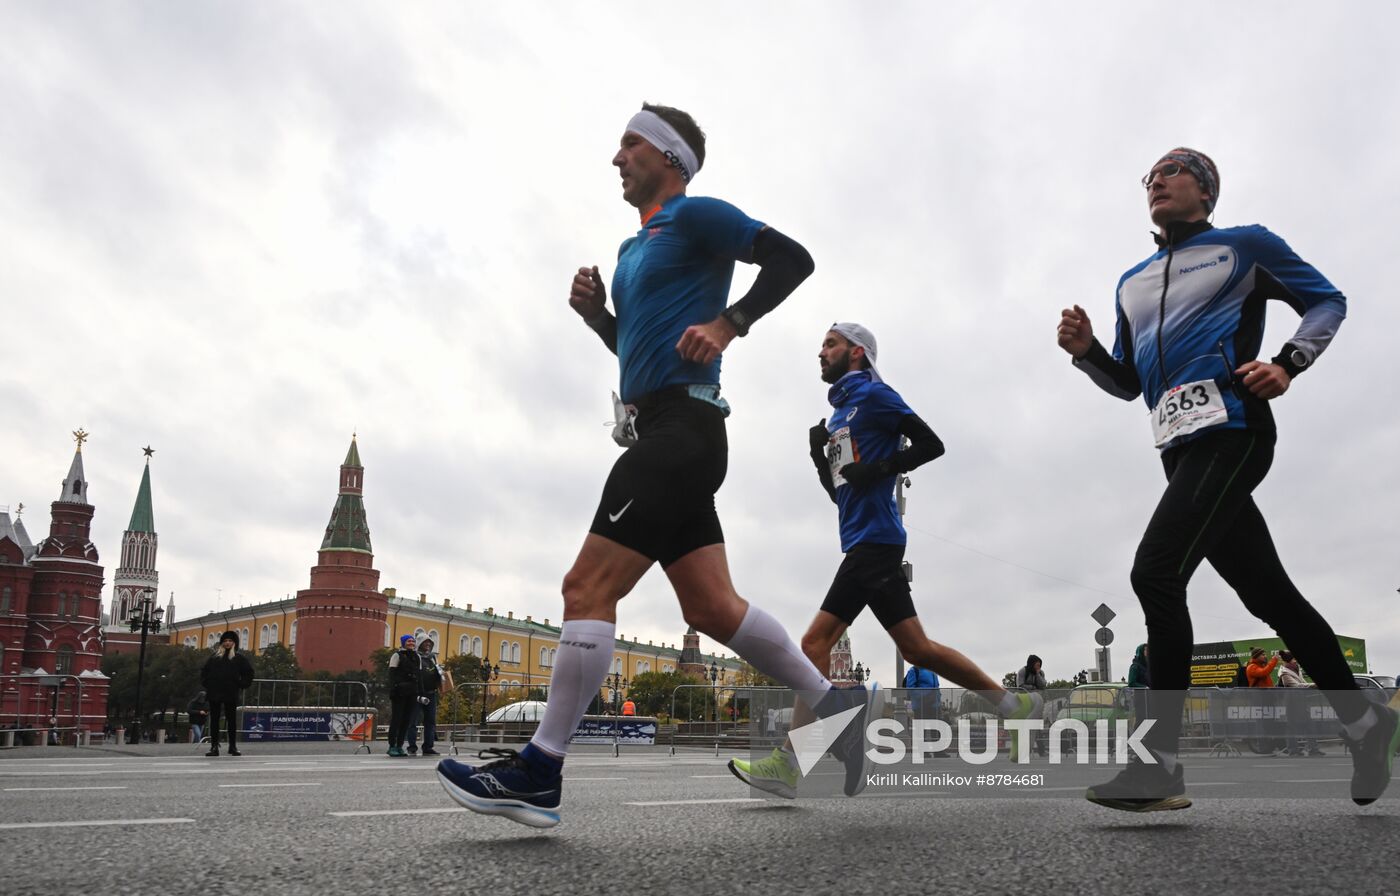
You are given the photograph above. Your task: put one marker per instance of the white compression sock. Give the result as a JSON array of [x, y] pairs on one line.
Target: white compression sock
[[1357, 730], [585, 653], [764, 644]]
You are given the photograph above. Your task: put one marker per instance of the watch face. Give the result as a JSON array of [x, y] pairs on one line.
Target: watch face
[[1299, 359]]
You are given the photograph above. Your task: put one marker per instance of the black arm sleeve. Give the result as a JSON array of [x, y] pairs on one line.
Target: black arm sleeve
[[824, 474], [605, 325], [783, 264], [924, 445], [1117, 378]]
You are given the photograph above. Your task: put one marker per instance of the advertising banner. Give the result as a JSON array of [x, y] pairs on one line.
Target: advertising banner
[[623, 729], [301, 724], [1219, 662]]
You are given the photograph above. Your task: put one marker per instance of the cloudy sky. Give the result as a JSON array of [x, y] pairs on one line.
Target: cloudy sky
[[241, 232]]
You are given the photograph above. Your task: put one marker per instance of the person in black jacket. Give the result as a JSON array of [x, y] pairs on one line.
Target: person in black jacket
[[224, 675], [430, 681], [405, 690], [198, 710]]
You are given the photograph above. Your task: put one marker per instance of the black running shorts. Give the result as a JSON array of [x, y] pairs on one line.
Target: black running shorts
[[659, 499], [871, 575]]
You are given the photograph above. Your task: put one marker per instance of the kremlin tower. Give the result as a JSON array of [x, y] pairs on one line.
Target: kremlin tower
[[341, 619], [136, 571]]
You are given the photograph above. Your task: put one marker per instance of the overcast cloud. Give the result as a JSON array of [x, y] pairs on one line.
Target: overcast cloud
[[239, 232]]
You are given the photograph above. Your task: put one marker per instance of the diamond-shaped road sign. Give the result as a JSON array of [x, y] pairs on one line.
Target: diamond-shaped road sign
[[1103, 615]]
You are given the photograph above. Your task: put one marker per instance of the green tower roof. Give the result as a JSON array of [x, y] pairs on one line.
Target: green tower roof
[[347, 530], [352, 457], [142, 518]]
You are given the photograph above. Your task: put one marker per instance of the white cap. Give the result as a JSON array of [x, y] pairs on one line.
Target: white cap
[[855, 334]]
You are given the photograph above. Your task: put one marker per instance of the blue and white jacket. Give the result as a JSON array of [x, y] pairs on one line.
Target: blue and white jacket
[[1195, 310]]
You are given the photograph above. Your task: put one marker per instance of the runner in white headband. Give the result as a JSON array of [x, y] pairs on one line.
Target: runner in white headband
[[656, 131]]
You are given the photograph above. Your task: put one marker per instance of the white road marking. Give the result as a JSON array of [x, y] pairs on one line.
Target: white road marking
[[114, 822], [393, 812], [292, 784], [693, 802], [62, 788]]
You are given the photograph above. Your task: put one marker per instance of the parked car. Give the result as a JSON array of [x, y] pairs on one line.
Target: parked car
[[1380, 688], [1100, 700]]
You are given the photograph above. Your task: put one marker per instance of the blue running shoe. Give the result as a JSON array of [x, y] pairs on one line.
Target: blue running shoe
[[507, 786]]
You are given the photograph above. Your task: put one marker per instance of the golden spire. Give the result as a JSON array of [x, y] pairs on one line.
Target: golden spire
[[81, 436]]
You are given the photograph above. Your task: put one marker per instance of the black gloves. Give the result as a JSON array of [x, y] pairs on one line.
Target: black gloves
[[862, 475], [818, 437]]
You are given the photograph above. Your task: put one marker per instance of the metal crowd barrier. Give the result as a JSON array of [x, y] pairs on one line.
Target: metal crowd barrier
[[462, 713], [288, 709], [34, 713]]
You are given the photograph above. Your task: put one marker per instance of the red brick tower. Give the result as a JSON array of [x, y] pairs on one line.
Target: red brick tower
[[63, 606], [341, 618]]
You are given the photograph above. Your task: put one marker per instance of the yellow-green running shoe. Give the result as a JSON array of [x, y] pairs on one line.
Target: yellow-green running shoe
[[772, 774]]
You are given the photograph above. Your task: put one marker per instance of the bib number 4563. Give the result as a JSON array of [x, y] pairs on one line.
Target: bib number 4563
[[1187, 408]]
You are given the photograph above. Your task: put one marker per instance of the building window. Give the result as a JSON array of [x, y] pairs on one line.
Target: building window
[[544, 657], [386, 634], [515, 652], [617, 664], [293, 639], [434, 635], [463, 645], [476, 647], [275, 639], [551, 656], [62, 602], [63, 661], [5, 595], [419, 635], [262, 637], [505, 652]]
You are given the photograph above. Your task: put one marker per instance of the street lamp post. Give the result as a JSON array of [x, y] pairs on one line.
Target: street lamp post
[[488, 672], [147, 618], [714, 693], [617, 684], [860, 674]]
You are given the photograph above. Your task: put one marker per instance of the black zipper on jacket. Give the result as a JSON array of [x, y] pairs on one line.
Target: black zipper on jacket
[[1162, 314]]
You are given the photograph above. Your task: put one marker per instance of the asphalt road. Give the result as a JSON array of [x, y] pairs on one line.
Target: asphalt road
[[304, 818]]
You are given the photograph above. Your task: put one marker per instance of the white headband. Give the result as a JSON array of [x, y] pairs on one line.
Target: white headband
[[656, 131], [855, 334]]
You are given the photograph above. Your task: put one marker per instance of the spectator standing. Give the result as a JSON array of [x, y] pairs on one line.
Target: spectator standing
[[198, 711], [1290, 675], [1260, 670], [1029, 676], [404, 690], [430, 683], [224, 676]]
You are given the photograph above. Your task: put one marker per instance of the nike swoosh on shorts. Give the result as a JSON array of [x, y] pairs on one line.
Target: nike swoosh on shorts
[[614, 517]]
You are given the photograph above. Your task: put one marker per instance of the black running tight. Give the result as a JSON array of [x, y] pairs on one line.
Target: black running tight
[[1207, 513]]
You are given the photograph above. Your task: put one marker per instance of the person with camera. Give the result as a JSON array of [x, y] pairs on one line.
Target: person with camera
[[405, 692], [430, 682]]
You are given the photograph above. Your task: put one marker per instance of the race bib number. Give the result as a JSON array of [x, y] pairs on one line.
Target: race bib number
[[624, 423], [839, 452], [1187, 408]]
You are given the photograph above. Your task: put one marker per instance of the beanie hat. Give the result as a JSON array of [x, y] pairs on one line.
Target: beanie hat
[[1201, 168], [404, 639], [1257, 652], [229, 636]]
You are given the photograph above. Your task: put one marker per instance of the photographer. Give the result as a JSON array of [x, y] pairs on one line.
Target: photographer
[[429, 683], [405, 690]]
